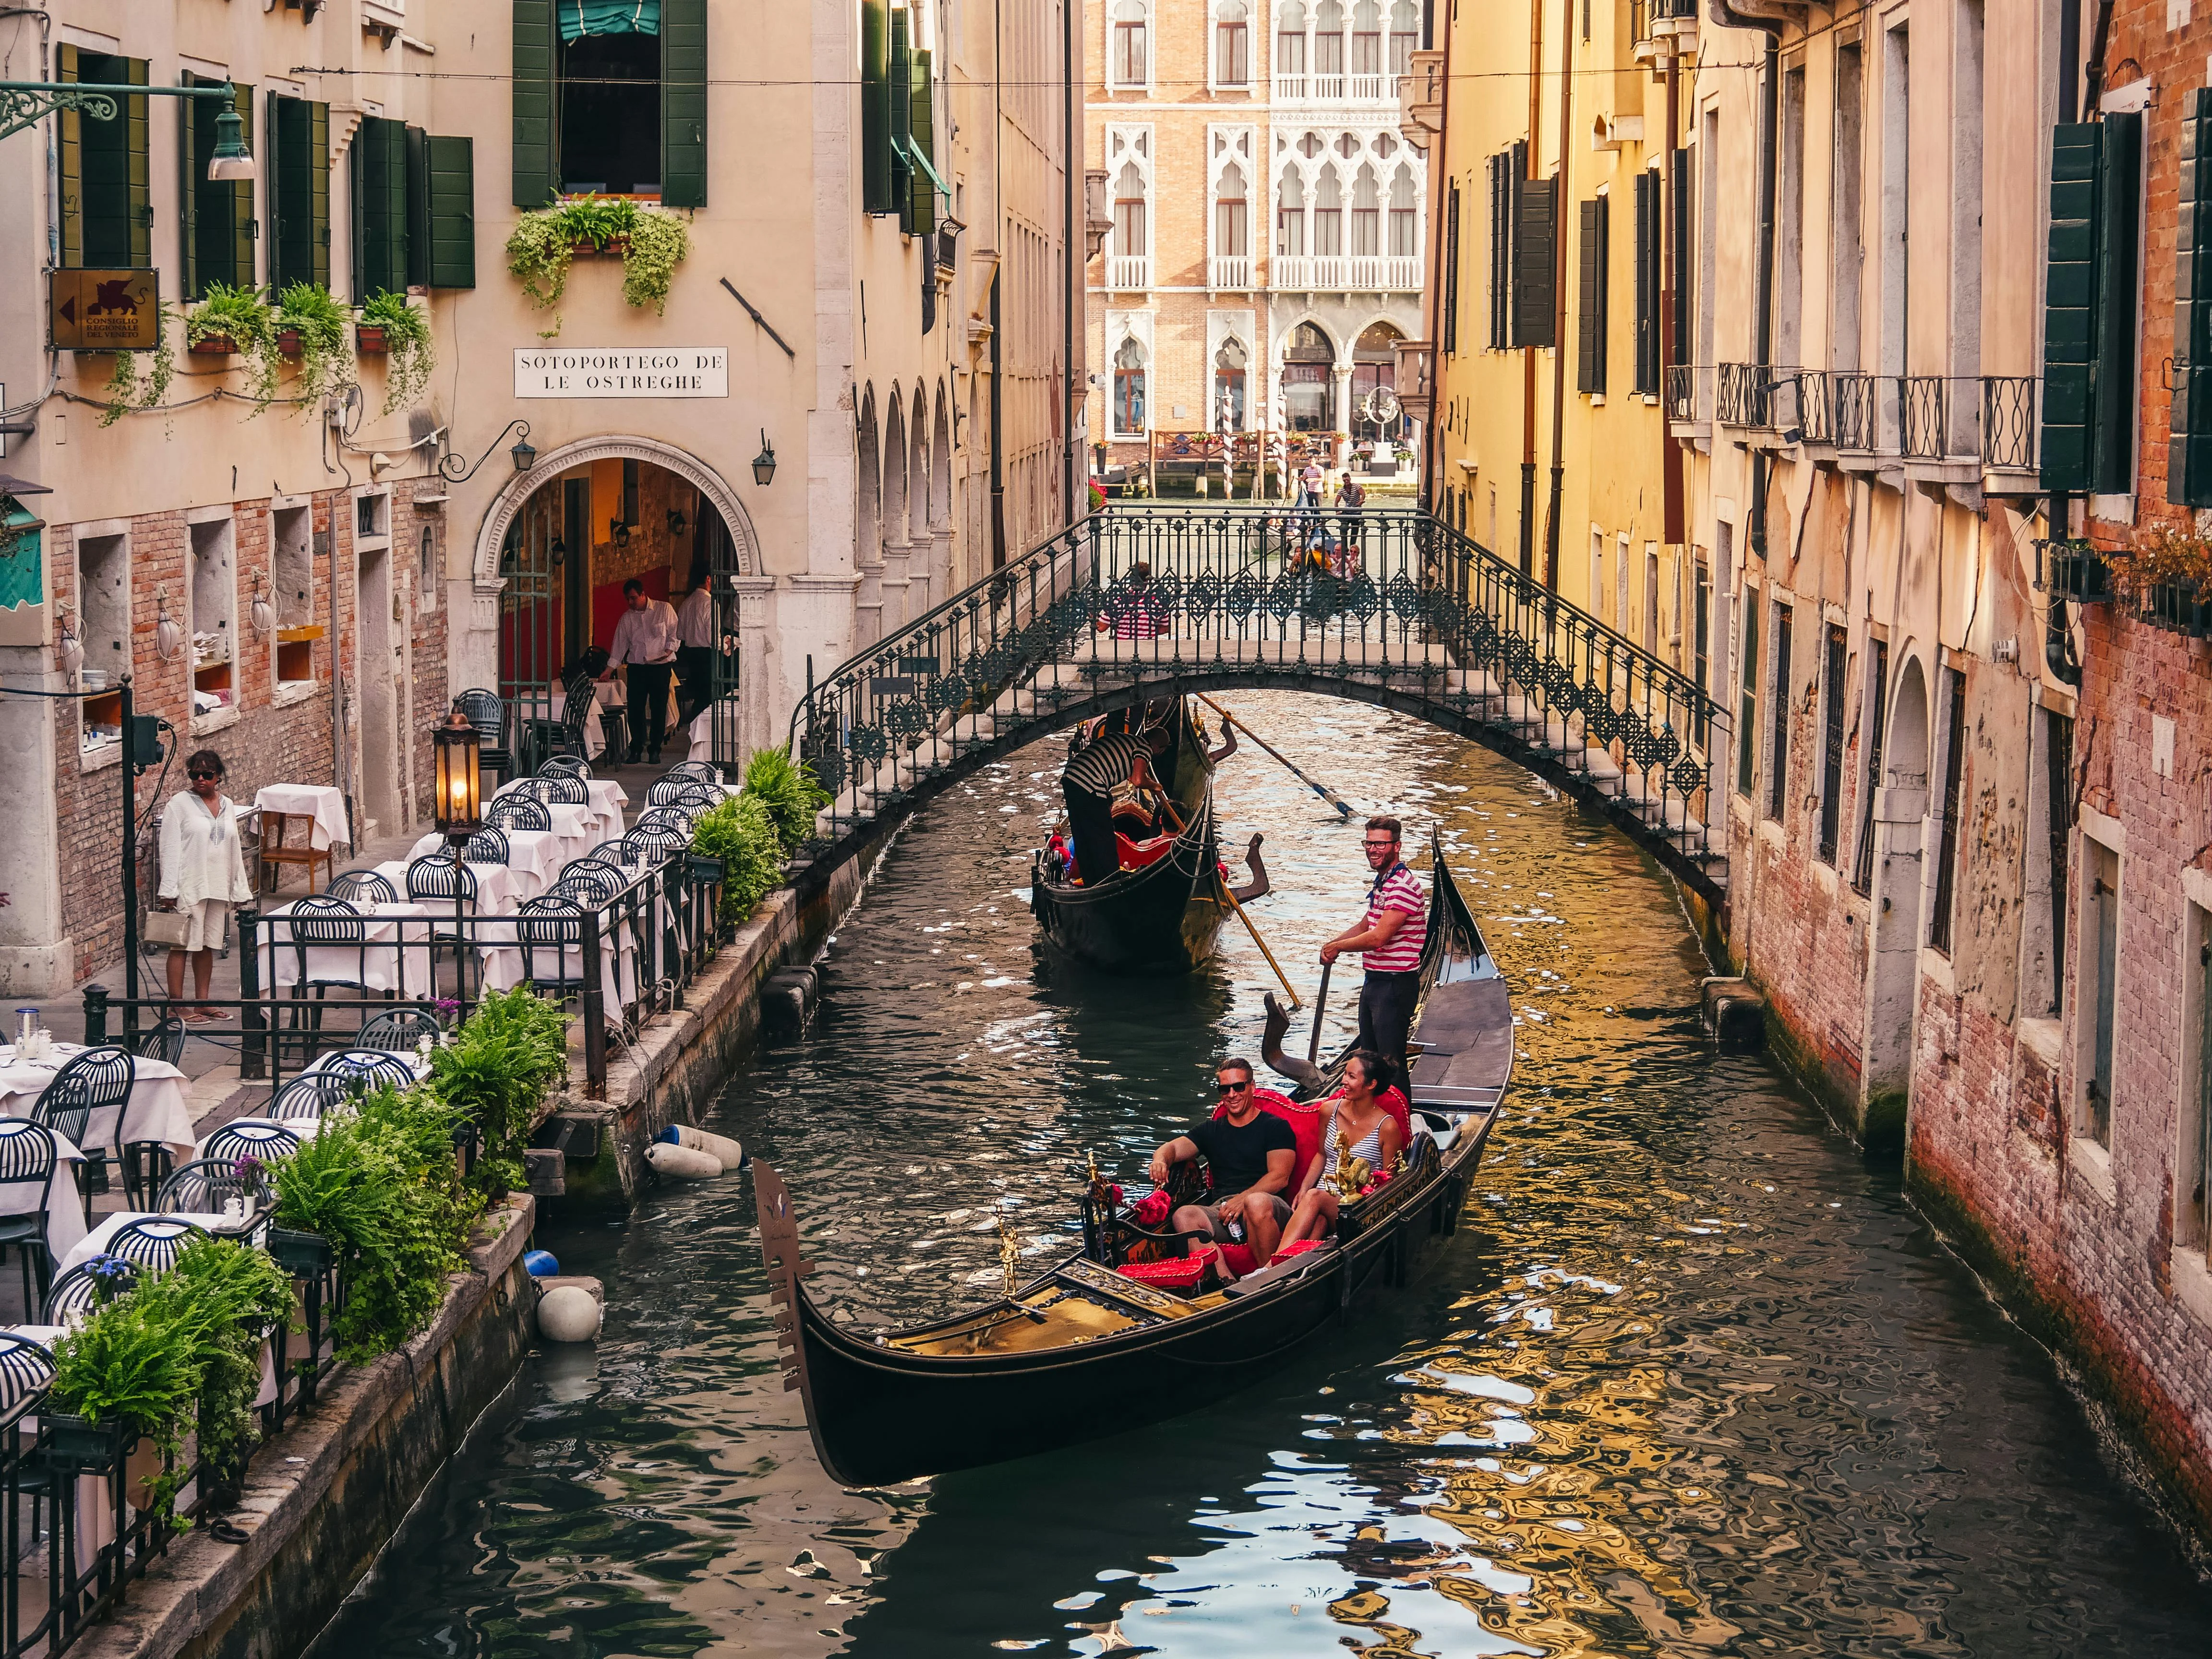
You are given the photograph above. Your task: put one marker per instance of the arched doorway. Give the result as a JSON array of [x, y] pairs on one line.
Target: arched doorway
[[1900, 814], [560, 543], [1309, 380], [1228, 364], [1377, 418]]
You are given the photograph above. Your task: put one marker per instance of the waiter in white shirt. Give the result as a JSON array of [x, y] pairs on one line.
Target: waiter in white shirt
[[695, 653], [645, 640]]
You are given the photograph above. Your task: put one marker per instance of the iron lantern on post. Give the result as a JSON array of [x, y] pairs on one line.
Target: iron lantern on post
[[457, 756]]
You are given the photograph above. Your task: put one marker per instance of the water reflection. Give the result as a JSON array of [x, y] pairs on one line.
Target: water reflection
[[1691, 1378]]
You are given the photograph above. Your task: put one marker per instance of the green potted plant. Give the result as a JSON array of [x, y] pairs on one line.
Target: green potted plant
[[652, 243], [127, 389], [311, 324], [401, 333], [741, 832], [237, 322]]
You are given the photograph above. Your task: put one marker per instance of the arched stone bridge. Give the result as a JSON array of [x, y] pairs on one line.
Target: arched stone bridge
[[1139, 602]]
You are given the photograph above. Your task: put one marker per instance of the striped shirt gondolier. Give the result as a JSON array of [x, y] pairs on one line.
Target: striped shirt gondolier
[[1105, 762], [1397, 889]]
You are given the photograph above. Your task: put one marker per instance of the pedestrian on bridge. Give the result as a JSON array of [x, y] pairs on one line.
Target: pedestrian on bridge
[[1390, 937]]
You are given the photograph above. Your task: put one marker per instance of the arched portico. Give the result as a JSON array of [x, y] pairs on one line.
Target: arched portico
[[499, 518]]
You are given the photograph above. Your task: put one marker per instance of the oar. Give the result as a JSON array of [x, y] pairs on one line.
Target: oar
[[1321, 789], [1321, 996], [1242, 915]]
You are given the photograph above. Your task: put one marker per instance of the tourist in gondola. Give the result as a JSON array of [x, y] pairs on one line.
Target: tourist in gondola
[[1390, 938], [1093, 773], [1251, 1159], [1361, 1141]]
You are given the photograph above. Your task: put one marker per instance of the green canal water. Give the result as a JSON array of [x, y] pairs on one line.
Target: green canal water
[[1693, 1376]]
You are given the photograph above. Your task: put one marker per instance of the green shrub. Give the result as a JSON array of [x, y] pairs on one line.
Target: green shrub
[[512, 1049], [249, 322], [786, 788], [407, 356], [741, 834], [325, 364]]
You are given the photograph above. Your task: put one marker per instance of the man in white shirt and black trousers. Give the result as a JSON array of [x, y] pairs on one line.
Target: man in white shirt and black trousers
[[695, 651], [645, 640]]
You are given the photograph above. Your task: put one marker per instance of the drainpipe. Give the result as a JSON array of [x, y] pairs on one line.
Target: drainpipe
[[1770, 98], [998, 280], [1072, 152], [1559, 203], [1528, 353], [1439, 188]]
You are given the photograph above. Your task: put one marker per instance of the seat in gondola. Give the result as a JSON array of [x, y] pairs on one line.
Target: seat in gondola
[[1136, 854]]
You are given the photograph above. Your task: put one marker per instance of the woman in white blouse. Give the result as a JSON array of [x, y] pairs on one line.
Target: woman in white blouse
[[202, 874]]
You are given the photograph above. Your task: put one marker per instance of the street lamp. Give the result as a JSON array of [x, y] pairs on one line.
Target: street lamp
[[764, 463], [232, 160], [458, 776]]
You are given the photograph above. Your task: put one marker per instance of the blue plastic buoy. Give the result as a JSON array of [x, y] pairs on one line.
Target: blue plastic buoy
[[540, 1264], [670, 1136]]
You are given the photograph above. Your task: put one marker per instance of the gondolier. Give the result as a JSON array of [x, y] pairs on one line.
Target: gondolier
[[1088, 785], [1389, 937]]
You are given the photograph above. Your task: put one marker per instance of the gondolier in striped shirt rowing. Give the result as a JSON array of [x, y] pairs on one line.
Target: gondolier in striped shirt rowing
[[1093, 772], [1390, 937]]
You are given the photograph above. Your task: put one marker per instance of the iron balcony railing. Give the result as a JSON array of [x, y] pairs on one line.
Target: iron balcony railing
[[1852, 403], [1815, 411], [1746, 395], [1385, 605], [1924, 401], [1689, 392], [2009, 410]]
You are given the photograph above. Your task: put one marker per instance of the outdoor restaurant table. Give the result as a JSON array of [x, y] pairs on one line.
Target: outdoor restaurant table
[[726, 712], [502, 963], [65, 1223], [602, 811], [407, 1057], [495, 893], [319, 801], [397, 957], [159, 1108]]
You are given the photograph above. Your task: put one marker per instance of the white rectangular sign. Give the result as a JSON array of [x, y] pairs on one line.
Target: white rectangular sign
[[622, 372]]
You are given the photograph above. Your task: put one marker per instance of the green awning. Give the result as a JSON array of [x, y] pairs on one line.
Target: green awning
[[916, 157], [581, 17]]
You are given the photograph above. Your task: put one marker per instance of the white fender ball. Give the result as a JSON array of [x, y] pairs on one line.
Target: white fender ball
[[730, 1155], [569, 1313], [682, 1163]]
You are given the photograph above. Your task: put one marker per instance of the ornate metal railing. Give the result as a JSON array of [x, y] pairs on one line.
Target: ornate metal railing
[[1851, 397], [1816, 407], [1681, 391], [1395, 603], [1746, 395], [1925, 402], [2008, 422]]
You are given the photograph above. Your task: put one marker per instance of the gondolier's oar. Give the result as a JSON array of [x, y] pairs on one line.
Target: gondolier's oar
[[1321, 789], [1321, 996], [1242, 915]]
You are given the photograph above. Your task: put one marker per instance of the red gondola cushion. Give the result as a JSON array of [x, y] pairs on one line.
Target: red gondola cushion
[[1181, 1272], [1297, 1247], [1239, 1259], [1136, 854], [1151, 1210]]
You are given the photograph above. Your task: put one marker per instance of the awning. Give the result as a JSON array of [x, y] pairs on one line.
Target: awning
[[582, 17], [915, 156]]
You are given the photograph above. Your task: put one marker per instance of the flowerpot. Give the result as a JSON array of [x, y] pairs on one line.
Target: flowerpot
[[300, 1254], [287, 342], [215, 345], [2177, 608], [368, 339], [82, 1442]]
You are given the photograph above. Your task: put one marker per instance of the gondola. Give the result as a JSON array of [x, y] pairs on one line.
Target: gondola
[[1161, 918], [1081, 1349]]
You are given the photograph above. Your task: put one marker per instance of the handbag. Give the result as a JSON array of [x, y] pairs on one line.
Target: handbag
[[170, 928]]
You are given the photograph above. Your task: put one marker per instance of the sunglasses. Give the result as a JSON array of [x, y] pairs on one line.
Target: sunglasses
[[202, 777], [1234, 1088]]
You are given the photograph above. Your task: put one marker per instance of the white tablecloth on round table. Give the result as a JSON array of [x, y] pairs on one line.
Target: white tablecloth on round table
[[606, 801], [534, 858], [96, 1242], [159, 1108], [319, 801], [65, 1223], [397, 957], [407, 1057], [703, 727]]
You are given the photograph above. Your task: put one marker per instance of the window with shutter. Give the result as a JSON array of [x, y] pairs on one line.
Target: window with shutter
[[2070, 305], [1451, 269], [531, 95], [215, 216], [2112, 368], [684, 103], [378, 177], [875, 108], [107, 212], [451, 219], [295, 159], [1589, 316], [1678, 196], [1647, 281], [899, 93], [1535, 227], [2189, 453], [922, 138]]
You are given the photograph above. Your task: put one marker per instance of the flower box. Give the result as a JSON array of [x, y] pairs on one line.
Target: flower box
[[368, 339], [215, 345], [303, 1255], [2179, 608], [2075, 571], [87, 1445], [287, 342]]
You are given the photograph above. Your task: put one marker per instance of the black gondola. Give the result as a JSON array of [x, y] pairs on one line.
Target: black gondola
[[1164, 917], [1080, 1350]]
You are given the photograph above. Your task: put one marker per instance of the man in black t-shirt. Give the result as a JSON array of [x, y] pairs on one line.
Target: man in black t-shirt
[[1250, 1157]]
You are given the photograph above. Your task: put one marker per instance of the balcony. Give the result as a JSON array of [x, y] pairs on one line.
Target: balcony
[[1128, 273], [1745, 395], [1814, 414], [1852, 412], [1924, 406], [1338, 273], [1690, 401], [1310, 273], [1229, 271], [1420, 100], [1336, 88], [2010, 433]]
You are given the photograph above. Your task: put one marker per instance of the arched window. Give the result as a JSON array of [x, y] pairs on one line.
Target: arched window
[[1129, 390], [1367, 44], [1232, 222], [1366, 215], [1328, 215], [1329, 49], [1405, 27], [1290, 43], [1375, 371], [1291, 217], [1128, 60], [1405, 208], [1129, 230], [1309, 380], [1228, 364], [1232, 43]]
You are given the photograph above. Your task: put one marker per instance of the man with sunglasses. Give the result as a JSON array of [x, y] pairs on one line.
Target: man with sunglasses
[[1390, 937], [1250, 1158]]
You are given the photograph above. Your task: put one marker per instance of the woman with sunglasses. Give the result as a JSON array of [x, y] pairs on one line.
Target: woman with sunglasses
[[1361, 1130], [202, 874]]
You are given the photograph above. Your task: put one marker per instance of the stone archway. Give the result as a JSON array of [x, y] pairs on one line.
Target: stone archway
[[500, 515], [1894, 985]]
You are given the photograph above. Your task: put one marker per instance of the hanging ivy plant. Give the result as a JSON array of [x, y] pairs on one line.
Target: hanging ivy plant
[[129, 390], [408, 358], [310, 313], [652, 244], [242, 317], [657, 243]]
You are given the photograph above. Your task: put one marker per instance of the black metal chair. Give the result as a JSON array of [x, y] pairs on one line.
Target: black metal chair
[[363, 887], [550, 926], [487, 846], [207, 1187], [484, 710], [561, 789], [77, 1295], [565, 766], [320, 922], [247, 1138], [368, 1069], [601, 864], [28, 1157], [519, 809], [588, 882], [654, 843], [94, 1080], [153, 1241], [704, 772], [166, 1041], [545, 739], [399, 1031], [25, 1369], [677, 820], [614, 853], [447, 888], [304, 1097]]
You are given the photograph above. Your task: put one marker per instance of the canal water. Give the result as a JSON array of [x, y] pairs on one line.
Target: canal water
[[1693, 1377]]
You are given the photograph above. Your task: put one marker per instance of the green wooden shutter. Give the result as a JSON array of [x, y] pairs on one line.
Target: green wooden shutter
[[244, 231], [684, 103], [107, 208], [2189, 444], [451, 254], [417, 150], [1678, 196], [1451, 268], [898, 92], [1534, 245], [875, 108], [921, 134], [530, 97], [138, 162], [276, 157], [1590, 318], [1647, 285], [318, 186], [2069, 304], [191, 169], [295, 154], [380, 211], [2113, 367]]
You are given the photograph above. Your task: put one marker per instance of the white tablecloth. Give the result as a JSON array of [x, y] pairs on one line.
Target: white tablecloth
[[65, 1223], [159, 1109], [504, 966], [606, 801], [96, 1242], [703, 727], [397, 957], [615, 693], [407, 1057], [321, 801], [534, 858]]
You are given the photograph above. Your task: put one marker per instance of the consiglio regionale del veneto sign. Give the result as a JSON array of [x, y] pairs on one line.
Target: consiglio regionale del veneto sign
[[622, 372]]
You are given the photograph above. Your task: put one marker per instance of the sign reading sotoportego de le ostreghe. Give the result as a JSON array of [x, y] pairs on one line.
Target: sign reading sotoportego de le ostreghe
[[622, 372]]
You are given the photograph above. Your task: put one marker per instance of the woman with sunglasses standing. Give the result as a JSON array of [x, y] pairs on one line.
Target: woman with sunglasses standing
[[202, 874]]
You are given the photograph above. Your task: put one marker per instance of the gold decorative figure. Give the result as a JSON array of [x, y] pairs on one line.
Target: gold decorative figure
[[1010, 1253]]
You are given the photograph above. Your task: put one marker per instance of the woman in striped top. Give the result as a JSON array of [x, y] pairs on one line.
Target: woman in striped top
[[1358, 1123], [1390, 937]]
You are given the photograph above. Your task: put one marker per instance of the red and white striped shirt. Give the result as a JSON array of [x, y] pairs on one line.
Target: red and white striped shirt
[[1397, 889]]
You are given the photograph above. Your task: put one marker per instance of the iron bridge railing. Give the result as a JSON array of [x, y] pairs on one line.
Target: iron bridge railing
[[1134, 597]]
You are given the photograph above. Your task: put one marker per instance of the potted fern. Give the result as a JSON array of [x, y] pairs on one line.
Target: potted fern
[[397, 330], [651, 242], [237, 322], [311, 326]]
